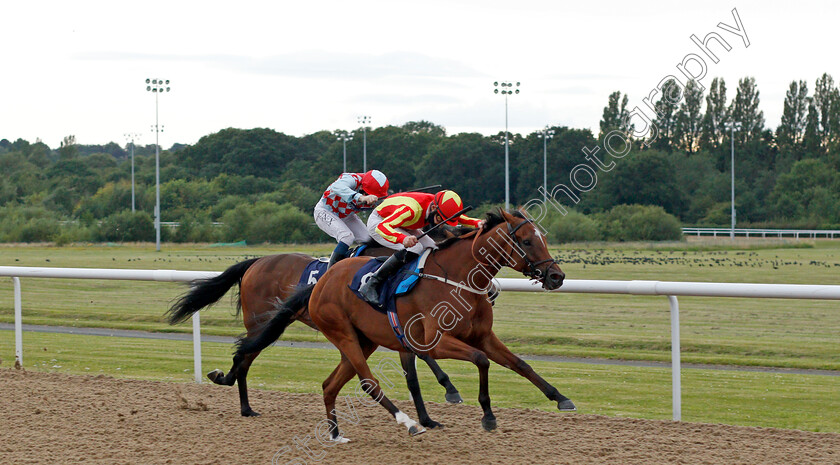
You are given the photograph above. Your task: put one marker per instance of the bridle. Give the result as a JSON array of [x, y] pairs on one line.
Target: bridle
[[531, 269]]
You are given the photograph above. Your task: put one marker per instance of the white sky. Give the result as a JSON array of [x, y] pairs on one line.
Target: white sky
[[78, 67]]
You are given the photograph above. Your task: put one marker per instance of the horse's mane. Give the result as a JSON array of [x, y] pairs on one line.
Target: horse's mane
[[491, 219]]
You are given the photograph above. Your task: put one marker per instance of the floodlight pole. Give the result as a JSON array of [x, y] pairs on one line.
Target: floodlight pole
[[157, 87], [130, 137], [506, 85], [364, 120], [546, 134], [344, 136]]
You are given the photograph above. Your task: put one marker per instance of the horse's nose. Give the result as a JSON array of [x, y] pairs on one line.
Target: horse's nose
[[554, 279]]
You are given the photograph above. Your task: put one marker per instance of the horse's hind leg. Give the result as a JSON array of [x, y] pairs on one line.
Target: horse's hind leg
[[343, 373], [238, 374], [346, 341], [407, 361], [241, 381], [452, 394]]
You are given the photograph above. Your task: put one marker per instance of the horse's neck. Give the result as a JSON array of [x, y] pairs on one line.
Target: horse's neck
[[460, 264]]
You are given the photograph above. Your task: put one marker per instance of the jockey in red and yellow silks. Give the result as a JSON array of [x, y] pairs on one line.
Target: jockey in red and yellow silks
[[397, 222], [413, 210]]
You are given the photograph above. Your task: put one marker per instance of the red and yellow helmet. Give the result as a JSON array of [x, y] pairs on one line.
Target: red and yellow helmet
[[375, 183], [448, 203]]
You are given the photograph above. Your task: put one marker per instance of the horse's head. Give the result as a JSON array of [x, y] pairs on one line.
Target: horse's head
[[527, 250]]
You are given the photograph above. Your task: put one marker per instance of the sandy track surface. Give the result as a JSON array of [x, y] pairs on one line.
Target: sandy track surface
[[56, 418]]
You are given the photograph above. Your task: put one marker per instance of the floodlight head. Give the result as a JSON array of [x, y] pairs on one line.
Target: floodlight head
[[496, 83], [148, 80]]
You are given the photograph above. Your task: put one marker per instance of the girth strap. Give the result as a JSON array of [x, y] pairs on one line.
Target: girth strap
[[451, 283], [397, 328]]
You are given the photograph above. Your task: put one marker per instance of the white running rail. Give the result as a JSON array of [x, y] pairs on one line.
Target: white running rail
[[669, 289], [779, 233]]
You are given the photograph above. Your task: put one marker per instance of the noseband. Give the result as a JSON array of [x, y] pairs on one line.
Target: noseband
[[531, 269]]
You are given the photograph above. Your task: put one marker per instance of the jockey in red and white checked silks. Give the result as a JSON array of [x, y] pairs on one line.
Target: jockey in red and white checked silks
[[335, 212]]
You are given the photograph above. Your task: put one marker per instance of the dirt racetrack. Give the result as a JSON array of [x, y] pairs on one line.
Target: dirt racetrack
[[57, 418]]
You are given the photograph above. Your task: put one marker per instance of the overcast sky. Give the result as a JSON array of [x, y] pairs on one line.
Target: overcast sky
[[78, 67]]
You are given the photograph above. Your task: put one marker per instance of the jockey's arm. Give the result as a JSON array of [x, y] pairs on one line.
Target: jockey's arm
[[344, 187], [469, 221], [387, 228]]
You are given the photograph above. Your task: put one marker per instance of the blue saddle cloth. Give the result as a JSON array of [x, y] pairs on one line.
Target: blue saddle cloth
[[316, 268], [313, 272], [400, 283]]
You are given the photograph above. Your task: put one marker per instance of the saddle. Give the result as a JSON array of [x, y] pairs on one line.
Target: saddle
[[317, 267], [400, 283]]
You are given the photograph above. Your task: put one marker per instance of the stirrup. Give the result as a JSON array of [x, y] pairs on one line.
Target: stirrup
[[369, 292]]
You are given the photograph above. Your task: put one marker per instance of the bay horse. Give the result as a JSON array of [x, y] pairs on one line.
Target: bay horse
[[440, 319], [264, 283]]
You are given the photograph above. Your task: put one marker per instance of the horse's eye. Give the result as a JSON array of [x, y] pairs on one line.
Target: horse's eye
[[526, 242]]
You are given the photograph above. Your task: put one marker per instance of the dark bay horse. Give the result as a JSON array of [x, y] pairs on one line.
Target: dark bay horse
[[451, 319], [264, 283]]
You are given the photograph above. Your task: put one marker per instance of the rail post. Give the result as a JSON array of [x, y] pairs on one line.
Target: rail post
[[196, 322], [676, 388], [18, 323]]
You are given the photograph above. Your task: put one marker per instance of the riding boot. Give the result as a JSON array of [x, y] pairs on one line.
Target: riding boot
[[340, 253], [369, 290]]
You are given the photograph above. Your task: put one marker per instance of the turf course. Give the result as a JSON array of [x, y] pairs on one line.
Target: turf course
[[775, 333]]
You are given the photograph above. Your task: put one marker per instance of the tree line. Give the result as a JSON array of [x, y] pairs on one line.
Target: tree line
[[785, 177]]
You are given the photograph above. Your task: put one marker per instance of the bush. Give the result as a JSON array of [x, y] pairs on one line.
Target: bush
[[76, 233], [27, 224], [573, 227], [267, 222], [639, 223], [127, 226], [196, 229], [39, 230]]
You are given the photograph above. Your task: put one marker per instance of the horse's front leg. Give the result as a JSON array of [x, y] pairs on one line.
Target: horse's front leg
[[407, 361], [499, 353], [449, 347]]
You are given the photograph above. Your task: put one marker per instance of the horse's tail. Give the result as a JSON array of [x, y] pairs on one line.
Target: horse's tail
[[207, 292], [275, 327]]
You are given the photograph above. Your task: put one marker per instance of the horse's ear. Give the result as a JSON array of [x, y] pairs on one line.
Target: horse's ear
[[504, 214]]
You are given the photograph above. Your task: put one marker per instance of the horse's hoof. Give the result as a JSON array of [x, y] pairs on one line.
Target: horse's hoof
[[250, 413], [454, 398], [340, 440], [566, 406], [414, 430], [431, 424], [215, 375], [489, 423]]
